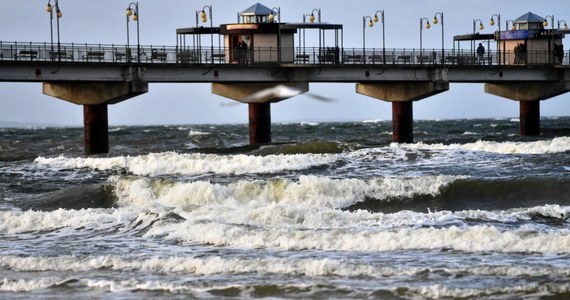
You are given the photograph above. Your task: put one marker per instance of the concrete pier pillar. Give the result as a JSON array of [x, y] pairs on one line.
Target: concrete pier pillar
[[528, 94], [529, 118], [95, 129], [95, 97], [402, 95], [402, 122], [259, 123]]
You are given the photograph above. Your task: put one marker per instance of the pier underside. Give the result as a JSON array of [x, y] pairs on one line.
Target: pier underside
[[529, 95], [95, 97], [402, 95]]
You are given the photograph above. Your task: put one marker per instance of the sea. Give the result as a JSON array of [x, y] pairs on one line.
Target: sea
[[328, 210]]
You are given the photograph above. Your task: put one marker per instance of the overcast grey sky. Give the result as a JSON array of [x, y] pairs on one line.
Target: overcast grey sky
[[103, 21]]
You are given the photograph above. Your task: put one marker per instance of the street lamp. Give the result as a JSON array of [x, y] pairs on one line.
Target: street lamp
[[481, 27], [59, 14], [421, 29], [376, 19], [312, 16], [435, 21], [204, 18], [492, 23], [565, 25], [275, 12], [512, 24], [133, 12], [545, 23], [370, 24]]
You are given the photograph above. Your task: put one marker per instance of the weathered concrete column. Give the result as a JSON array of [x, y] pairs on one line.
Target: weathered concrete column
[[529, 95], [259, 123], [529, 117], [95, 129], [402, 95], [95, 97], [259, 108], [403, 122]]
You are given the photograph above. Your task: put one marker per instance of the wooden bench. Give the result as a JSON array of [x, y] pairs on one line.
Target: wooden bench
[[94, 55], [220, 57], [304, 58], [451, 59], [354, 58], [404, 58], [158, 55], [421, 59], [62, 54], [119, 56], [377, 59], [186, 57], [27, 54]]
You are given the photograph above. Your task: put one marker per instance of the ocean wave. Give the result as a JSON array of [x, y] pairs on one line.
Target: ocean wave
[[481, 238], [155, 164], [556, 145], [314, 267], [309, 191]]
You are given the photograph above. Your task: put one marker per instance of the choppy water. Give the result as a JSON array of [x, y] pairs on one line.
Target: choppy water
[[330, 210]]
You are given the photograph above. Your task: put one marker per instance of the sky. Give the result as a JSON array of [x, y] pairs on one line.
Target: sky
[[103, 21]]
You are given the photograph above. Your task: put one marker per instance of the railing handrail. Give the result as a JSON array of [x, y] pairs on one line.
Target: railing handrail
[[120, 53]]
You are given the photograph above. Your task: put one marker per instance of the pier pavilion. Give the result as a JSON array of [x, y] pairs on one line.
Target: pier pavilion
[[259, 52]]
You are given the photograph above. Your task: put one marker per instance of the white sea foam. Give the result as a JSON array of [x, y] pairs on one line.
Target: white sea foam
[[283, 266], [373, 121], [308, 192], [175, 163], [18, 222], [471, 239], [197, 133], [23, 285], [535, 289], [556, 145]]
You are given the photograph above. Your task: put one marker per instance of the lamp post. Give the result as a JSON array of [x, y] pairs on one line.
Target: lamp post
[[59, 14], [275, 12], [435, 21], [370, 24], [421, 30], [545, 23], [565, 25], [133, 12], [492, 23], [312, 20], [376, 19], [512, 24], [312, 16], [481, 27], [204, 18]]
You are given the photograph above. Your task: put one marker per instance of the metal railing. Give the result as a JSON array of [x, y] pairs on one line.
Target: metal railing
[[109, 53]]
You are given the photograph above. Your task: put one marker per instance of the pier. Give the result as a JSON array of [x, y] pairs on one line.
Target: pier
[[259, 52]]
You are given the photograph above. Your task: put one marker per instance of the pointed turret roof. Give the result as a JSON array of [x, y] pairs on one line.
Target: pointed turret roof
[[257, 10], [529, 18]]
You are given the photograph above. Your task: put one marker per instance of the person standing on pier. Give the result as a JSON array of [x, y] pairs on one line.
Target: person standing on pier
[[481, 53]]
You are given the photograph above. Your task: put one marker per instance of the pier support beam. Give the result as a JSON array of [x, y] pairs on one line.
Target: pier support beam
[[529, 117], [259, 109], [96, 129], [403, 122], [259, 123], [529, 95], [402, 95], [95, 97]]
